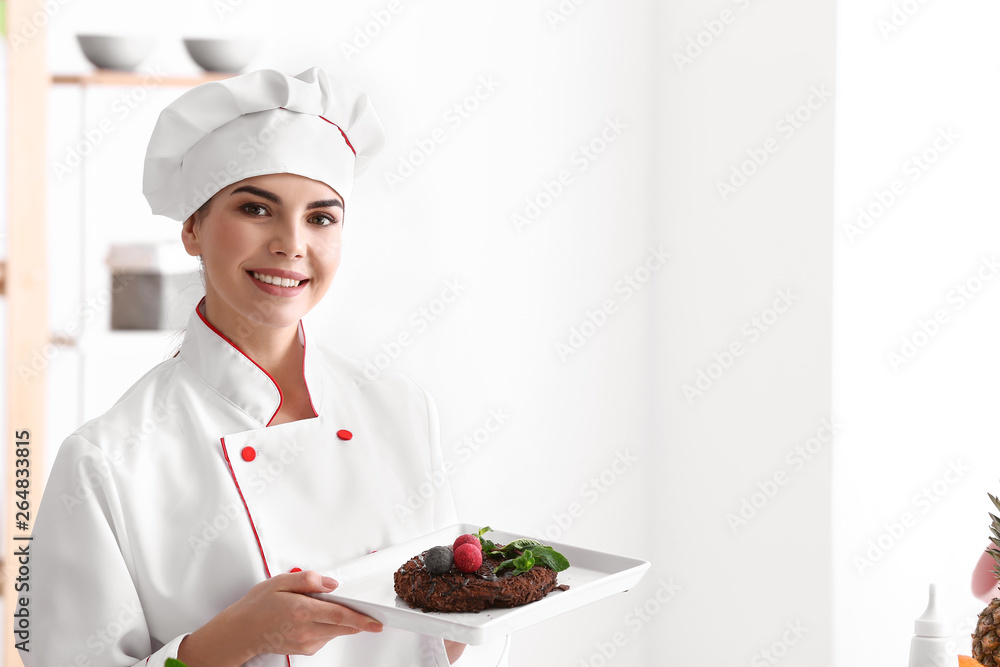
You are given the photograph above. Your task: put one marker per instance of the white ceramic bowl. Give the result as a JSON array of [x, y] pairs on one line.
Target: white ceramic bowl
[[115, 51], [221, 55]]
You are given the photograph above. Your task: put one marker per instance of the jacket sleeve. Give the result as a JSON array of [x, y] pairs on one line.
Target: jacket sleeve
[[444, 502], [82, 600], [496, 653]]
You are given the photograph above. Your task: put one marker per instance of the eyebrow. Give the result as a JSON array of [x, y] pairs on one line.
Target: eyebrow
[[270, 196]]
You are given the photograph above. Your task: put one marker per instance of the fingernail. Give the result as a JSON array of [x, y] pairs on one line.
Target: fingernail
[[374, 627], [329, 583]]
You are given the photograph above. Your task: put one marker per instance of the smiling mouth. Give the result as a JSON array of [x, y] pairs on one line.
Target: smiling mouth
[[276, 281]]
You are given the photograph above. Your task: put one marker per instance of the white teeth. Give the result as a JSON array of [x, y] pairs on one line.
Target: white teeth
[[274, 280]]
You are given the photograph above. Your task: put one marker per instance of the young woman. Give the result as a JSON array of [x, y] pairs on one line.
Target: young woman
[[194, 519]]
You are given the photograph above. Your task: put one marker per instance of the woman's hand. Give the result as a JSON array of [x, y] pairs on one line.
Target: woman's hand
[[453, 649], [275, 616]]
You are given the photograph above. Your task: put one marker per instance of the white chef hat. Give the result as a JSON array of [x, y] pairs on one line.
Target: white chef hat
[[263, 122]]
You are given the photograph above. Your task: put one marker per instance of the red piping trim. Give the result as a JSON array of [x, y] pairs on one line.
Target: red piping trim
[[225, 452], [306, 383], [281, 398], [341, 132], [260, 547]]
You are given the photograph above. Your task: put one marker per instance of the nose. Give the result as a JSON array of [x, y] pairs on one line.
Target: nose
[[288, 239]]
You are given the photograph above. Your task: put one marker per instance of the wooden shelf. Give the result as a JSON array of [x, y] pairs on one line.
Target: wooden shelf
[[110, 77], [24, 273]]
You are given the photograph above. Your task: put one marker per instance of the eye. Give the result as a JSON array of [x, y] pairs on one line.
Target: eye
[[323, 220], [256, 210]]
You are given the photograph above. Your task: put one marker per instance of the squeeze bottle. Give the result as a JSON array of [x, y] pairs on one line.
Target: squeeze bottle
[[930, 646]]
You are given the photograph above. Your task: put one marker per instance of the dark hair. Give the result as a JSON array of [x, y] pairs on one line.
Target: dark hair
[[204, 207], [180, 334]]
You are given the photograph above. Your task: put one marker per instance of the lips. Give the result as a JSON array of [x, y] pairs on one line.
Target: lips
[[279, 277]]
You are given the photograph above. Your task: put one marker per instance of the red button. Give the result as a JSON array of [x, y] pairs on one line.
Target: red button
[[249, 454], [296, 569], [344, 434]]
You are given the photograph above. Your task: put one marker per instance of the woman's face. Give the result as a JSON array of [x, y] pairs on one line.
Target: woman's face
[[271, 246]]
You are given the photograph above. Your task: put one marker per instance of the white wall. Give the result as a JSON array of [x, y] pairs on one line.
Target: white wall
[[620, 396], [495, 348], [918, 452], [750, 572]]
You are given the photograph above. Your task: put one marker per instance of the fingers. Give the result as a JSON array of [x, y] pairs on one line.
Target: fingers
[[340, 615], [311, 621], [453, 649], [305, 581], [323, 611], [332, 614]]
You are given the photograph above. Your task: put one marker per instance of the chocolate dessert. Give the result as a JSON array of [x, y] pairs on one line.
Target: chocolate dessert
[[432, 581]]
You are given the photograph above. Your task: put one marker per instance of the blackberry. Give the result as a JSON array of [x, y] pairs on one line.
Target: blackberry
[[438, 560]]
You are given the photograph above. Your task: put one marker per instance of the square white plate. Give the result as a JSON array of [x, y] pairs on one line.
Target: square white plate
[[366, 586]]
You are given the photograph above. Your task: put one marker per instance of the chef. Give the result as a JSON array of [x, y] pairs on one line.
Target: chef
[[199, 517]]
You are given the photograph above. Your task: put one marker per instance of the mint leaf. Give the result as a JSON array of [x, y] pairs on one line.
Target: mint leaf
[[550, 558], [523, 543], [524, 562], [514, 548], [487, 545], [521, 564], [507, 563], [532, 553]]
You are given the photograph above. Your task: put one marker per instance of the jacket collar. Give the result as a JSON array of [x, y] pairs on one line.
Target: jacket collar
[[237, 377]]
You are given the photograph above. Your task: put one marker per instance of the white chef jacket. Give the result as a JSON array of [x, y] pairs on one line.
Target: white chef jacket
[[169, 507]]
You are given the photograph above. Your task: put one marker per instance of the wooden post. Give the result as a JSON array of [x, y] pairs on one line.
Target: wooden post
[[26, 288]]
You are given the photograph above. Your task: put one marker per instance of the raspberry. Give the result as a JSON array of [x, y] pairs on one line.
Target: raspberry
[[466, 539], [438, 560], [468, 557]]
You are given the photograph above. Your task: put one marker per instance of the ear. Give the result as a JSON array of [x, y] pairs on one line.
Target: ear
[[190, 236]]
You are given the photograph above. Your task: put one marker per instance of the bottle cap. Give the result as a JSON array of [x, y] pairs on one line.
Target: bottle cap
[[930, 625]]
